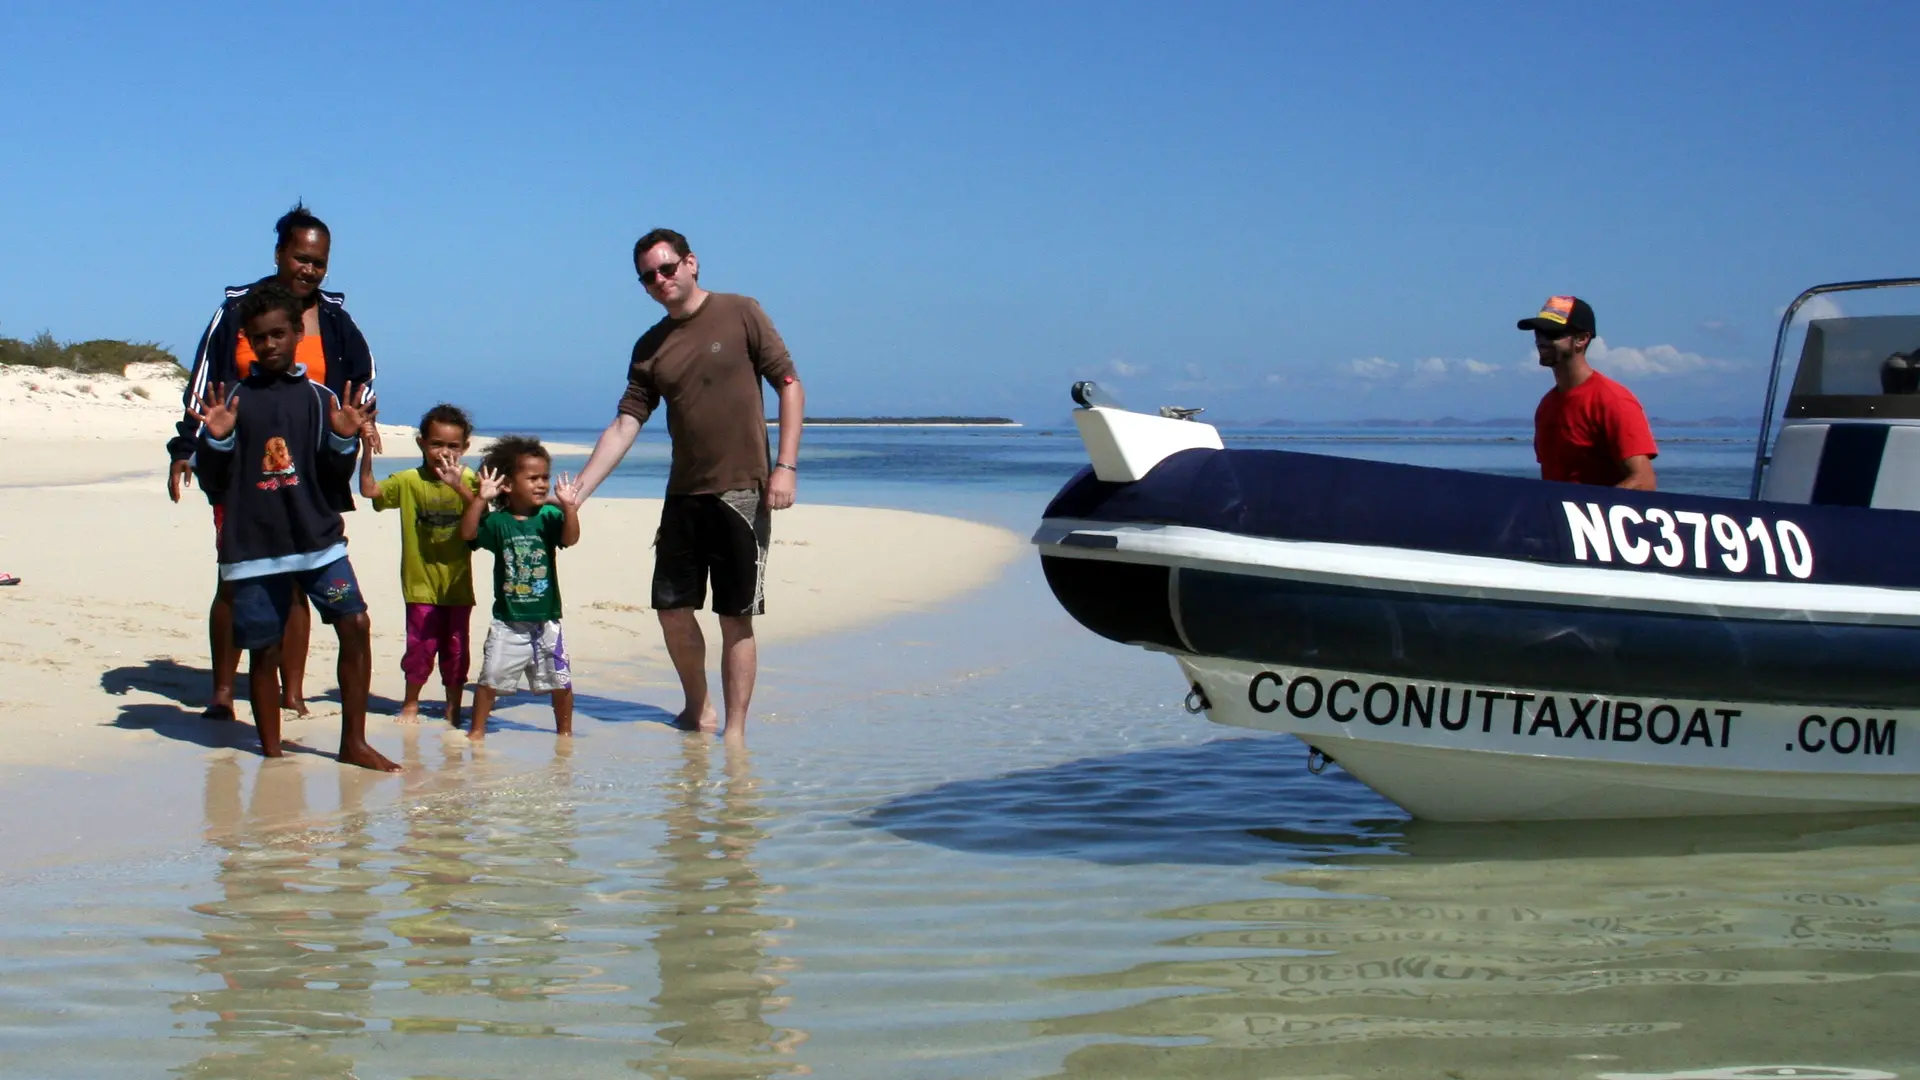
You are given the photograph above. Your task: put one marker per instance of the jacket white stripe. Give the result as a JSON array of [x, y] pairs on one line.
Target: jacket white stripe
[[196, 389]]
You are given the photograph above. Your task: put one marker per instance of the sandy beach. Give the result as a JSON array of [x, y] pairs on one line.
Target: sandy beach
[[104, 642]]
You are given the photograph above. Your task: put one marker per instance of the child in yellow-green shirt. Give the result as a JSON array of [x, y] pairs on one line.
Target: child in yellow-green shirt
[[436, 566]]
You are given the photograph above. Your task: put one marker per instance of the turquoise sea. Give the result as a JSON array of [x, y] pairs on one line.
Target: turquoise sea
[[1012, 470], [968, 842]]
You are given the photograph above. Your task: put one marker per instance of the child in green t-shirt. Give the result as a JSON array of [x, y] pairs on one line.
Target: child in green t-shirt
[[436, 566], [524, 647]]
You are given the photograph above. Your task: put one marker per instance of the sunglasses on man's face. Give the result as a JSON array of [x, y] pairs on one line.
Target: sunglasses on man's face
[[663, 271]]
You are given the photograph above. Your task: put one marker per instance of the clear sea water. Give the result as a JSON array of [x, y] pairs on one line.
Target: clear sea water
[[978, 471], [969, 842]]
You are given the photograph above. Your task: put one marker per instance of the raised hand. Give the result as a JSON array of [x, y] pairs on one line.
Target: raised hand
[[447, 468], [347, 415], [217, 412], [566, 491], [492, 484]]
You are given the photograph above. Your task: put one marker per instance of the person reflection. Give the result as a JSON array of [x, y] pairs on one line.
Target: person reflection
[[716, 981], [288, 934], [492, 888]]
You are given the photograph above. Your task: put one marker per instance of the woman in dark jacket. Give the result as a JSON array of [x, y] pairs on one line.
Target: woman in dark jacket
[[335, 354]]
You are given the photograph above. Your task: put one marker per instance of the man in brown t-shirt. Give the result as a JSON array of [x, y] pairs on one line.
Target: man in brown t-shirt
[[706, 360]]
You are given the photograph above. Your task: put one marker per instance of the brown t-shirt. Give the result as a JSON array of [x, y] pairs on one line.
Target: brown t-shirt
[[707, 366]]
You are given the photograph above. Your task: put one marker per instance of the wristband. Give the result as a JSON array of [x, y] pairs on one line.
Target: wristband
[[784, 465]]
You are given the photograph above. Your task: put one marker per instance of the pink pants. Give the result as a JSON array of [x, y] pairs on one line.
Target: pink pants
[[436, 630]]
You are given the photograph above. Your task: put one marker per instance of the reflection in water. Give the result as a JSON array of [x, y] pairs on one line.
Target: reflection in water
[[716, 983], [1530, 952], [468, 910], [492, 890], [485, 885], [289, 938]]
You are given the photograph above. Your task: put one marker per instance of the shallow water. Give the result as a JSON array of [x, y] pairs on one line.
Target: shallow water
[[976, 842], [981, 844]]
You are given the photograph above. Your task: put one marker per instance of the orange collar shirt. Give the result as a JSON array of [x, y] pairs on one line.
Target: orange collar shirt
[[310, 352]]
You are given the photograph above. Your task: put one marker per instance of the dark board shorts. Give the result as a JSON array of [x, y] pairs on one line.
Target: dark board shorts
[[723, 536]]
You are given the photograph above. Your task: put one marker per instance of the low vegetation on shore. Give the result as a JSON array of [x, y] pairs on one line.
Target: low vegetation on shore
[[102, 356]]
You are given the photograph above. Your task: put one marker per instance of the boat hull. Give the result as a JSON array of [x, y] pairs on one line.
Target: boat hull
[[1575, 652], [1462, 751], [1573, 634]]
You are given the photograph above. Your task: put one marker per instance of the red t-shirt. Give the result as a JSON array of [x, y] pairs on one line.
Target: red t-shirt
[[1584, 434]]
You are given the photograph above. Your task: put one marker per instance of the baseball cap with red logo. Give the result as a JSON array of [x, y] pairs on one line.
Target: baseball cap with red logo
[[1561, 315]]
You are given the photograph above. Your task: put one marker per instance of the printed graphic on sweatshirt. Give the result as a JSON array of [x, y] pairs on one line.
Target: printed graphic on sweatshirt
[[276, 468]]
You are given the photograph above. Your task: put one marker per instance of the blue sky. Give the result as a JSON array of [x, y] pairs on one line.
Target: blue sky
[[1313, 211]]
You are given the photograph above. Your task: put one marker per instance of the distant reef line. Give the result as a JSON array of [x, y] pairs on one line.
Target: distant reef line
[[1498, 422], [906, 421]]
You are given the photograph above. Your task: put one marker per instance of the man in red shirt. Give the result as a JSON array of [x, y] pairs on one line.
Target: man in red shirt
[[1588, 428]]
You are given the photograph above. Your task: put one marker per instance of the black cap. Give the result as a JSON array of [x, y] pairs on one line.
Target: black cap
[[1561, 315]]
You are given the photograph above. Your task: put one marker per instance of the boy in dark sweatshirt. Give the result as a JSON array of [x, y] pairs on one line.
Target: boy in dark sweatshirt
[[277, 455]]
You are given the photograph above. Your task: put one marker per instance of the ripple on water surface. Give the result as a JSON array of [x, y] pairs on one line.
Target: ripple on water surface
[[1035, 866]]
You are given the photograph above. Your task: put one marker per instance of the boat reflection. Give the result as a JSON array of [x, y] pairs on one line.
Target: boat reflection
[[1540, 951]]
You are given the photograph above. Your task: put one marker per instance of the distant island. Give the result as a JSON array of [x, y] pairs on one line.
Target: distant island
[[907, 421]]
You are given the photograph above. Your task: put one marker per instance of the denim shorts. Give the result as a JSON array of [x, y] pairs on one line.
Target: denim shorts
[[261, 604]]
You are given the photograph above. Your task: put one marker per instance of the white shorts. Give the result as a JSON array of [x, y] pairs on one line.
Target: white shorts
[[525, 656]]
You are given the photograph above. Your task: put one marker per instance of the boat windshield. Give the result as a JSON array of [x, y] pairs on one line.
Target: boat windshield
[[1862, 366], [1858, 345]]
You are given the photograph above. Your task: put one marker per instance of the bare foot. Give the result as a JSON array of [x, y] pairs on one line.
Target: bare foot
[[295, 705], [707, 720], [219, 710], [409, 712], [359, 753]]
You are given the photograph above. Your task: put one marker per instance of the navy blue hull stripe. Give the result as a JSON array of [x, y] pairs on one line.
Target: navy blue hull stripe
[[1282, 495], [1280, 622], [1849, 465]]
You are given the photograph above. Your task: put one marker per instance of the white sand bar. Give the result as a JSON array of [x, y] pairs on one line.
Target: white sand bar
[[117, 579]]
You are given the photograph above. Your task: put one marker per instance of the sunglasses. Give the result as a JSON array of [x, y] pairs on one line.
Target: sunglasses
[[664, 270]]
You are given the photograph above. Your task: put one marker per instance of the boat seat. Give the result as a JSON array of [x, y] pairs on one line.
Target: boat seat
[[1838, 463]]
